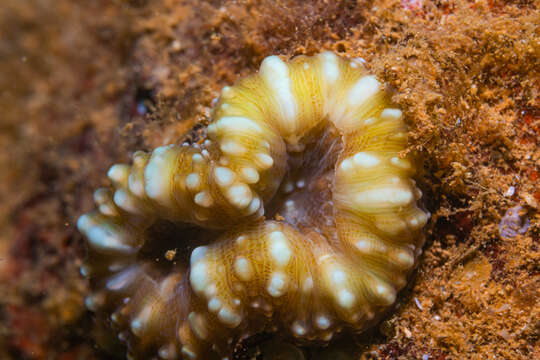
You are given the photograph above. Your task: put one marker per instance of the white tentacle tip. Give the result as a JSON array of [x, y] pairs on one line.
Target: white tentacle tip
[[203, 199], [239, 195]]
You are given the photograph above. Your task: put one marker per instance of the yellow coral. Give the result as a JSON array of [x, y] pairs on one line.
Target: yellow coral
[[314, 143]]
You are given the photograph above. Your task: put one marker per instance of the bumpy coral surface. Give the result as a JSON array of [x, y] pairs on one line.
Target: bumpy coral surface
[[312, 144]]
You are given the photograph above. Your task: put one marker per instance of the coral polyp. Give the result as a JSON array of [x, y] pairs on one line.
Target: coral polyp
[[302, 214]]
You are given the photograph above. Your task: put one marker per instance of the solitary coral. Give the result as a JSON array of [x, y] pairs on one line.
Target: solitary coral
[[313, 143]]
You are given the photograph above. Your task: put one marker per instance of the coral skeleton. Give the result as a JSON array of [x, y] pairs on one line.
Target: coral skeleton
[[296, 211]]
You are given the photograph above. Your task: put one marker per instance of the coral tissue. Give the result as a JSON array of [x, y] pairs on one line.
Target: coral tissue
[[301, 209]]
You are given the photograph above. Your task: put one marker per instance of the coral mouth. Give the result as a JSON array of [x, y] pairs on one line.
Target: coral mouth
[[304, 199]]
